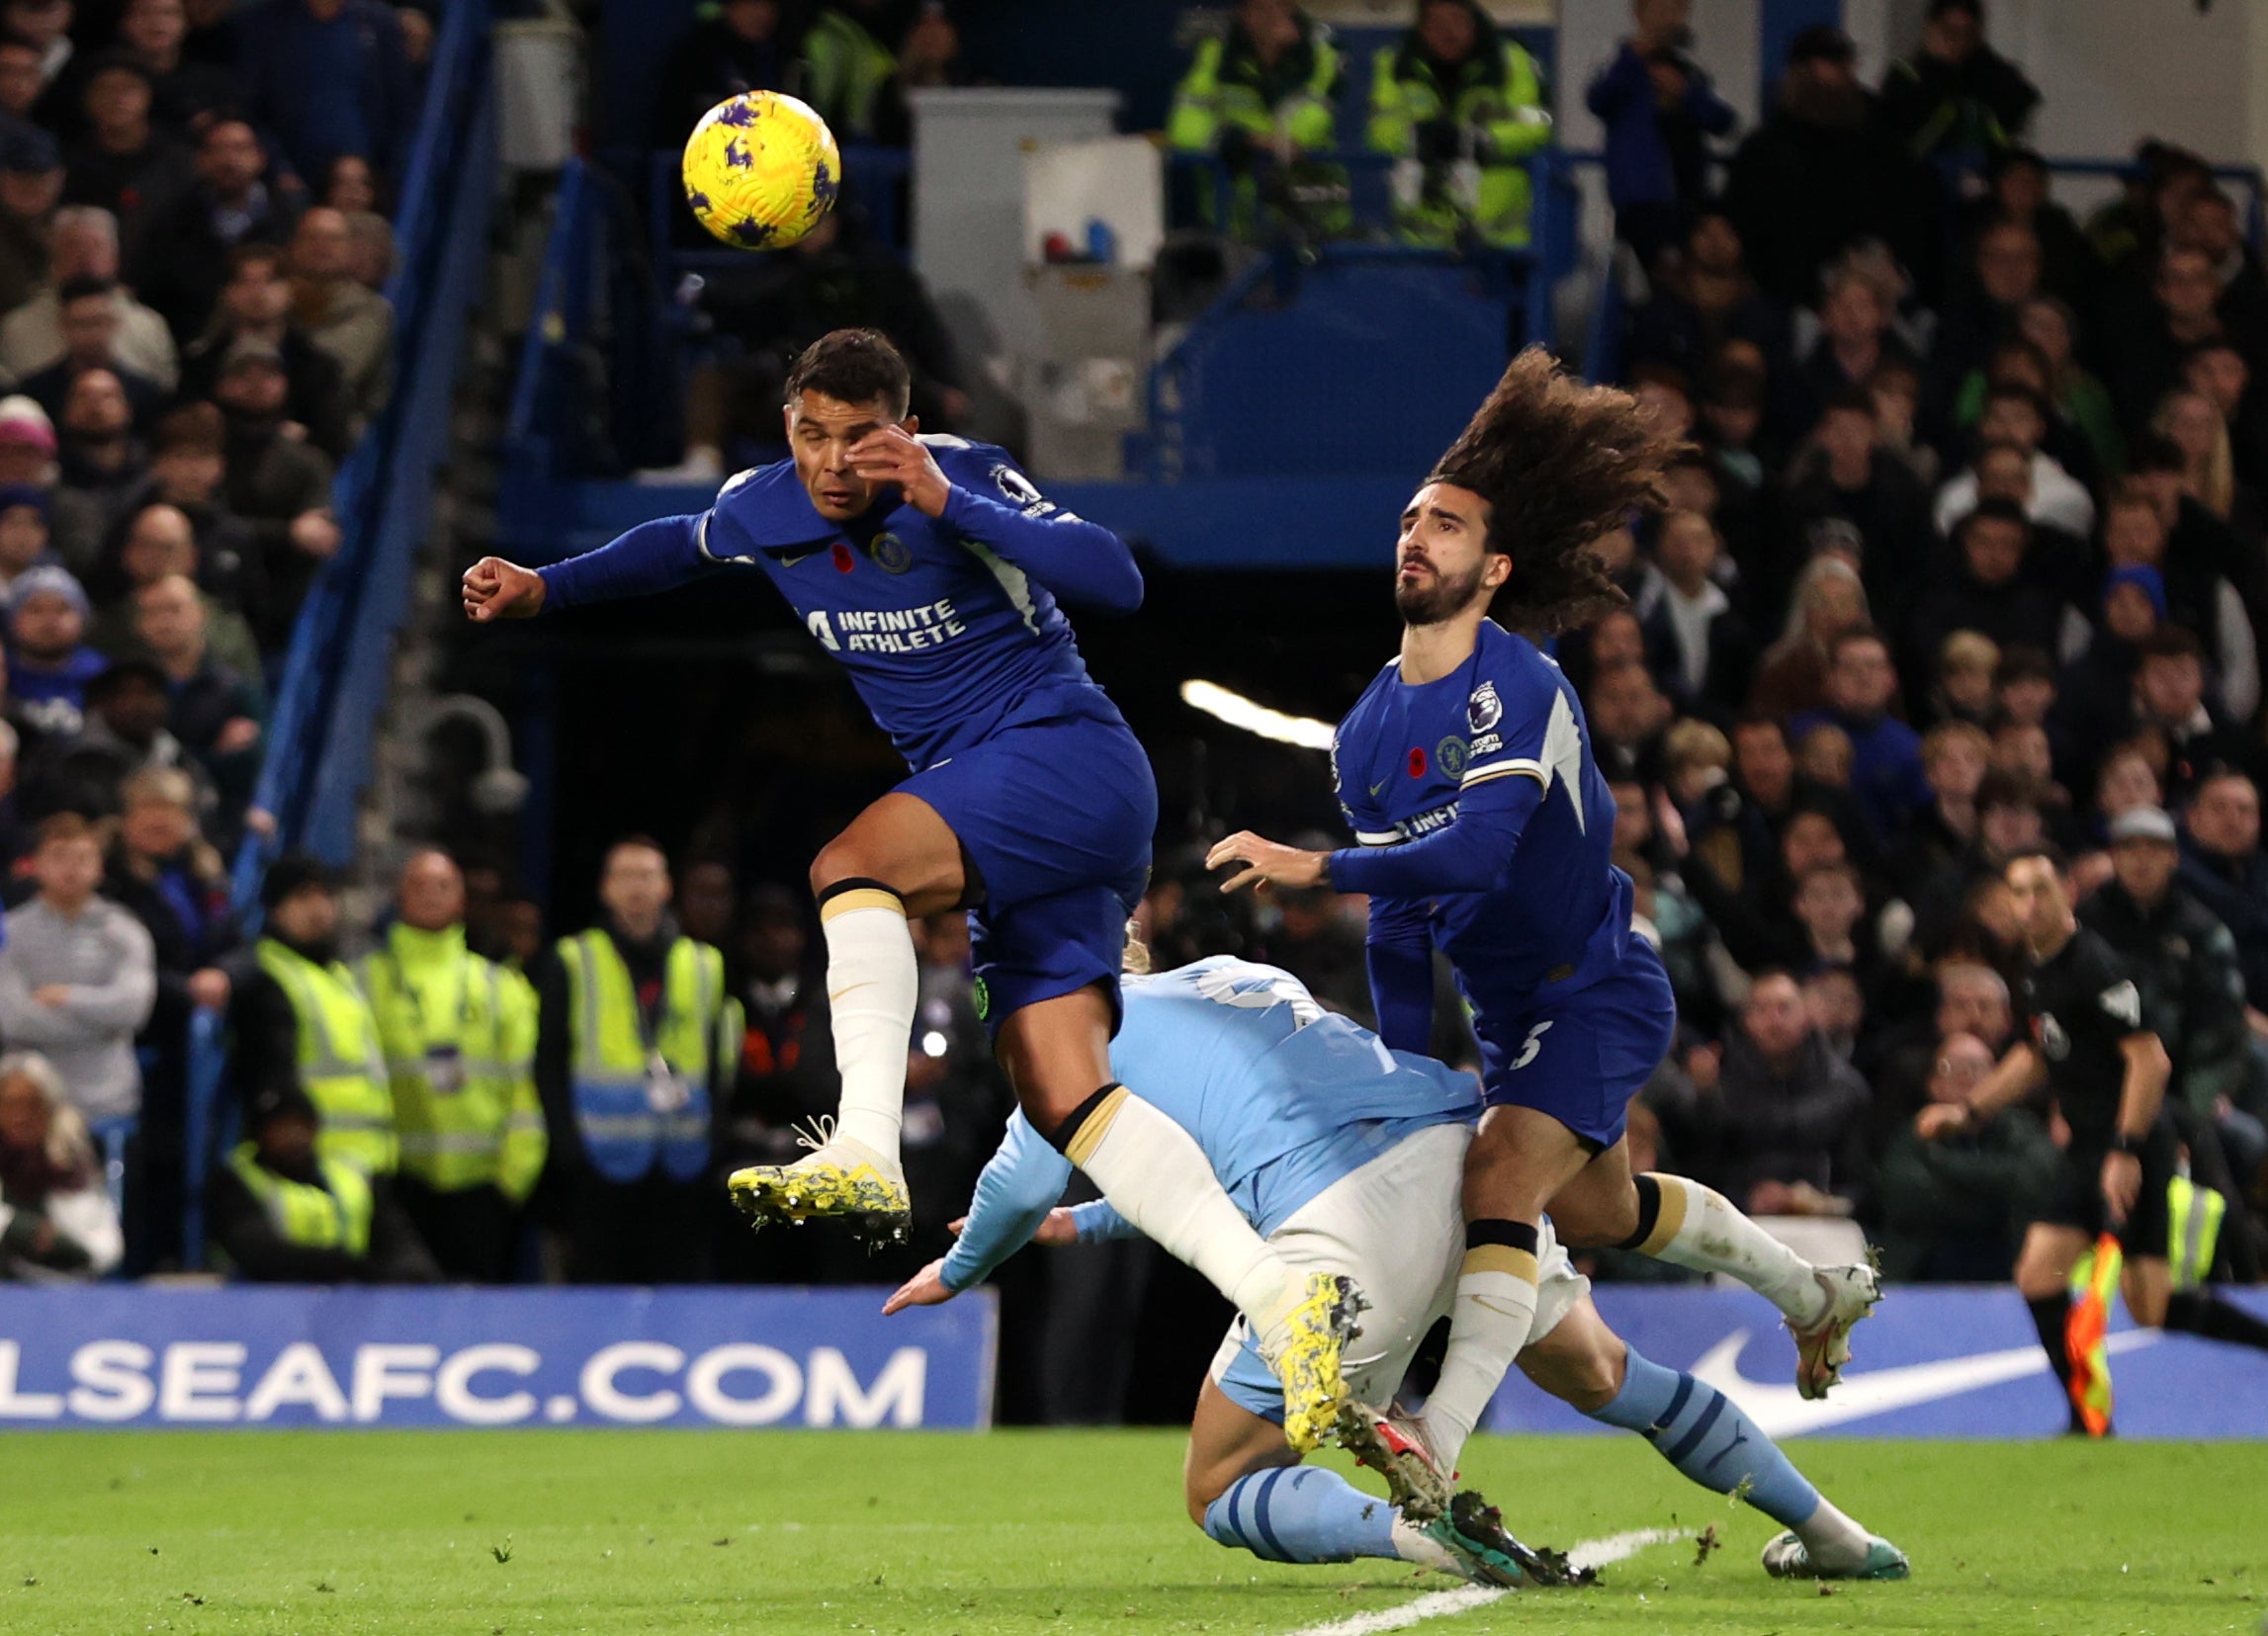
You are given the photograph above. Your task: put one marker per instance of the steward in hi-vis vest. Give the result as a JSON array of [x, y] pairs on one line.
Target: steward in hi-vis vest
[[459, 1036], [637, 1035], [299, 1021], [284, 1213]]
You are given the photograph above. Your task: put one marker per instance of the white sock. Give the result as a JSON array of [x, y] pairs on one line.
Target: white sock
[[1698, 1228], [1413, 1544], [873, 984], [1495, 1309], [1156, 1176], [1836, 1543]]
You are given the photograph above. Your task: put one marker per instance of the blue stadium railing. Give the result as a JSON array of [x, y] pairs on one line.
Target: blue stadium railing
[[335, 671]]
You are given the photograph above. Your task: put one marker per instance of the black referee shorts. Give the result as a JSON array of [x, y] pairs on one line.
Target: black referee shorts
[[2071, 1194]]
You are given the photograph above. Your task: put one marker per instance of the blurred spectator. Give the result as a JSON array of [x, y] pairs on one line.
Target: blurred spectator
[[164, 873], [637, 1045], [1264, 96], [329, 78], [77, 974], [20, 80], [2146, 522], [1956, 98], [787, 1054], [2016, 190], [48, 665], [1626, 713], [739, 49], [1861, 686], [1855, 340], [256, 307], [1845, 479], [1954, 757], [372, 238], [2184, 960], [159, 540], [2217, 369], [351, 185], [1659, 112], [849, 55], [99, 456], [835, 276], [1703, 299], [299, 1024], [84, 245], [31, 185], [56, 1219], [1460, 107], [1966, 666], [1829, 599], [188, 469], [92, 314], [2151, 340], [928, 57], [2076, 398], [1791, 1116], [1818, 175], [185, 92], [2208, 225], [278, 484], [2191, 421], [1320, 943], [24, 542], [341, 316], [2223, 865], [123, 163], [459, 1033], [215, 711], [123, 735], [1697, 644], [2169, 701], [2015, 416], [285, 1210], [182, 261], [47, 26], [1948, 1186], [1986, 589]]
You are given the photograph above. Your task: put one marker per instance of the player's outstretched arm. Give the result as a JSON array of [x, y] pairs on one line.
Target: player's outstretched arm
[[1020, 1185], [1079, 561], [652, 557]]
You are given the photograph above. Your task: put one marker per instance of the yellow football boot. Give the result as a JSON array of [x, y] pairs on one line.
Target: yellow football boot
[[842, 1178], [1303, 1348]]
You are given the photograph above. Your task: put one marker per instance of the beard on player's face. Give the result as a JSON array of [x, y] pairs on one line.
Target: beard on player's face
[[1432, 597]]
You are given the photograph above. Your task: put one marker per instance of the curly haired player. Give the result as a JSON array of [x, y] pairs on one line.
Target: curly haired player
[[1486, 830]]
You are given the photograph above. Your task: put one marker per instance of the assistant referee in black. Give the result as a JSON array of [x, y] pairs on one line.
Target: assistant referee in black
[[2083, 1036]]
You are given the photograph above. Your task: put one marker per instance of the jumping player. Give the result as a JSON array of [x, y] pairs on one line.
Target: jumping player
[[1486, 830], [930, 566], [1346, 1154], [2087, 1040]]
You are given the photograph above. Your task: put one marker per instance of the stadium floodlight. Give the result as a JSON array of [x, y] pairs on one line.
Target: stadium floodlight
[[1240, 712]]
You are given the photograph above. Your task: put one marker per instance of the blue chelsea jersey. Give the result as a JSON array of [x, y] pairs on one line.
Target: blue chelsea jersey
[[1557, 912], [947, 640]]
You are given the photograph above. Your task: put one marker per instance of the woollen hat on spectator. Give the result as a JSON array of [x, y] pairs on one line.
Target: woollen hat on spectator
[[22, 420], [2143, 824], [26, 150], [31, 494], [2151, 581], [294, 873], [1821, 42], [49, 577]]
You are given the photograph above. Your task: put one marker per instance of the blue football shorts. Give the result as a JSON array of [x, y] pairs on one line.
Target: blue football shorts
[[1057, 817]]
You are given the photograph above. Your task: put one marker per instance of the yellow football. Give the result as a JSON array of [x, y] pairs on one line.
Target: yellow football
[[760, 169]]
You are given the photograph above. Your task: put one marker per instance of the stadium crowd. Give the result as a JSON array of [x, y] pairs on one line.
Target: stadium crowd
[[1967, 553], [192, 338]]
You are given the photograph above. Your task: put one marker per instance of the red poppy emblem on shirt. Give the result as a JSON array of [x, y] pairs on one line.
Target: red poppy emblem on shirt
[[844, 561], [1417, 763]]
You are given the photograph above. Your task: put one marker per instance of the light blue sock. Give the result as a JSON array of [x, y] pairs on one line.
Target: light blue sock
[[1704, 1434], [1302, 1513]]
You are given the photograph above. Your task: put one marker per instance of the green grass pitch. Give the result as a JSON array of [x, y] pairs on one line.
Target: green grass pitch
[[550, 1533]]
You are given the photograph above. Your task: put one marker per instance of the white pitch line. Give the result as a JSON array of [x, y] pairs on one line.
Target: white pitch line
[[1592, 1553]]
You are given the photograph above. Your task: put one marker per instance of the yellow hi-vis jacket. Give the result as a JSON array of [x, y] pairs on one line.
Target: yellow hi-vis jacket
[[639, 1102], [459, 1035], [341, 1068]]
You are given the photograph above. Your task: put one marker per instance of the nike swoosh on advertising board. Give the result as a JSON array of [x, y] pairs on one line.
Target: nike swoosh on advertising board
[[1782, 1411]]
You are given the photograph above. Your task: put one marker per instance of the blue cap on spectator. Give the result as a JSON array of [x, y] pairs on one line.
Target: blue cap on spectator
[[2152, 582], [49, 577], [14, 494], [26, 150]]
